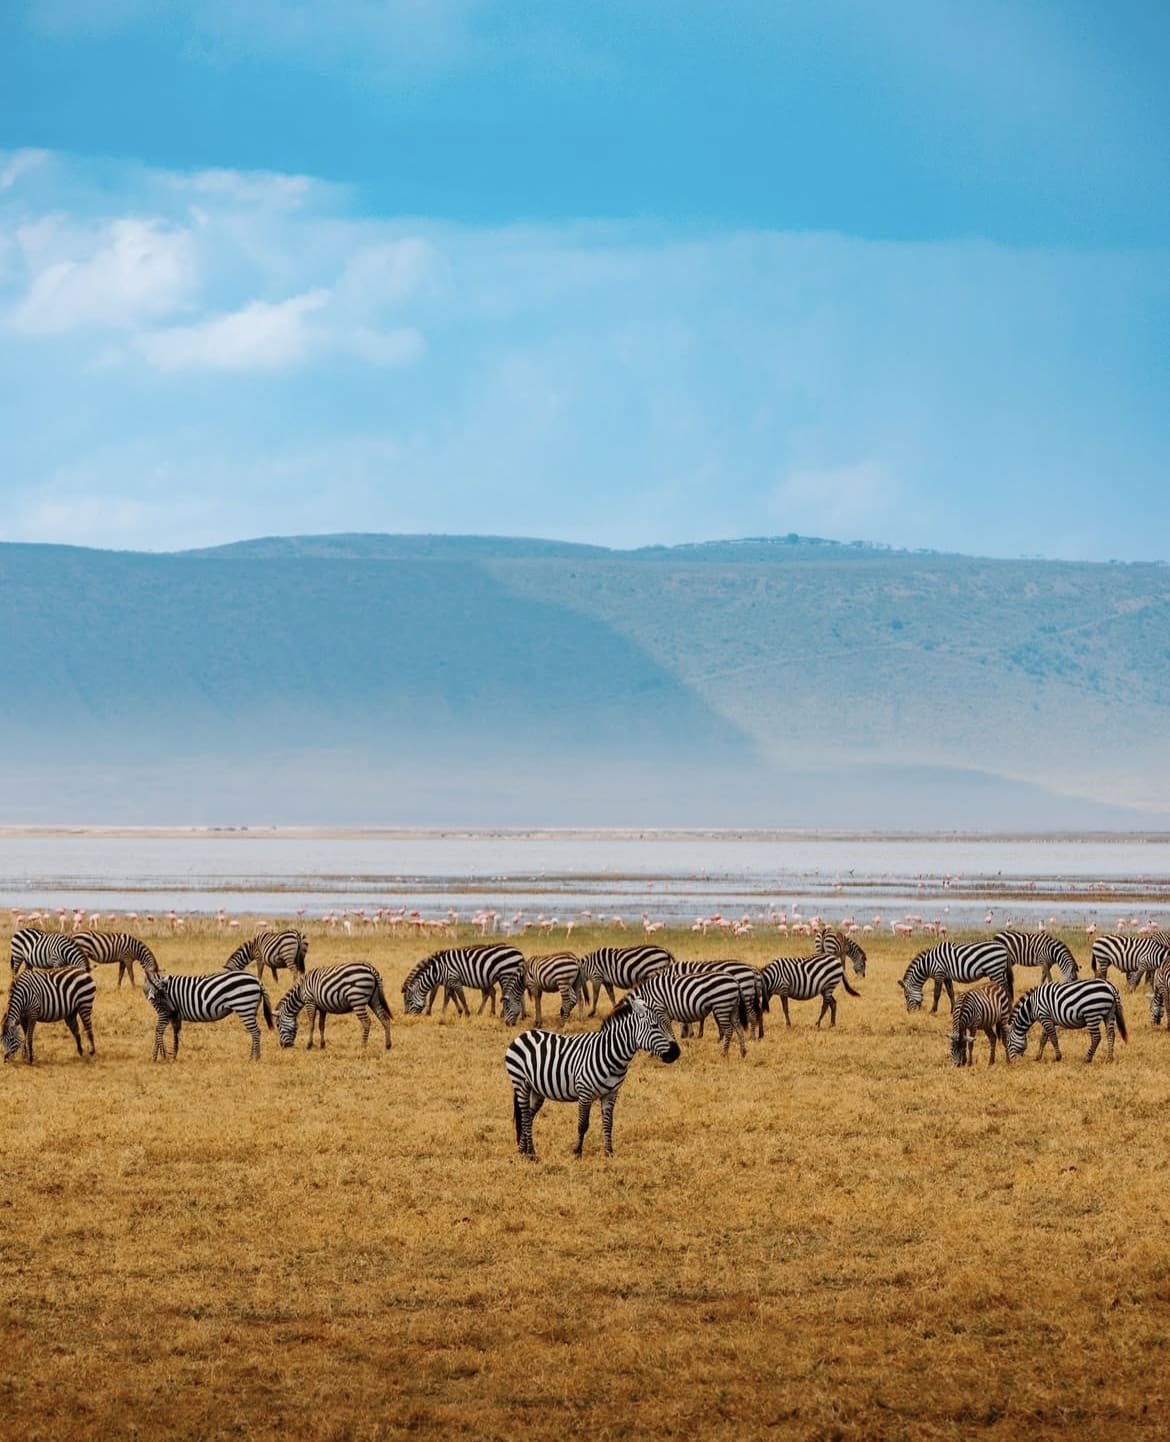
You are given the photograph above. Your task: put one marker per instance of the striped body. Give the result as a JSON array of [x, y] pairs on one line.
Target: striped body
[[32, 947], [1038, 948], [802, 978], [332, 991], [624, 966], [1160, 1001], [951, 961], [559, 971], [749, 981], [587, 1067], [485, 967], [177, 999], [104, 948], [985, 1009], [1076, 1004], [831, 942], [1138, 956], [687, 995], [62, 994], [276, 950]]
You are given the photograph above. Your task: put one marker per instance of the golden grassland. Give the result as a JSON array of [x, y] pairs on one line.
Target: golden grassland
[[840, 1237]]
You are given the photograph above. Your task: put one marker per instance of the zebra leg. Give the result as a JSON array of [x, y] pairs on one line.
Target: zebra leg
[[537, 1013], [784, 1004], [991, 1037], [383, 1015], [737, 1030], [30, 1027], [160, 1044], [1094, 1039], [253, 1029], [1110, 1034], [584, 1107], [363, 1017], [311, 1014], [71, 1023], [608, 1102], [1049, 1034], [937, 993], [522, 1116]]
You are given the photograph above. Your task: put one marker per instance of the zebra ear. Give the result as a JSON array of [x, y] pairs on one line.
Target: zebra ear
[[902, 984]]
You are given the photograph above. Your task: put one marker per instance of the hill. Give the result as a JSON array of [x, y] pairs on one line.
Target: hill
[[430, 679]]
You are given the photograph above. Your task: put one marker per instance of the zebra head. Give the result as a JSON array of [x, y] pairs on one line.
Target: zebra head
[[1022, 1017], [959, 1046], [287, 1011], [156, 988], [652, 1032], [1158, 1000], [13, 1037], [912, 990], [512, 996], [415, 990]]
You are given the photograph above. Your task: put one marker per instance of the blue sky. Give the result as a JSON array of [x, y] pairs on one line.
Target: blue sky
[[625, 273]]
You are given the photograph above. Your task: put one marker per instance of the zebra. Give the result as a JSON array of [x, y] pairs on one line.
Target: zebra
[[1038, 948], [951, 961], [1160, 1001], [1075, 1004], [33, 947], [106, 947], [559, 971], [1138, 956], [688, 996], [590, 1066], [623, 966], [277, 950], [751, 987], [63, 994], [355, 986], [983, 1008], [177, 999], [483, 966], [829, 941], [801, 978]]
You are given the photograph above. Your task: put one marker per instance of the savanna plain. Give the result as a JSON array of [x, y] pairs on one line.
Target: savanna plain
[[841, 1237]]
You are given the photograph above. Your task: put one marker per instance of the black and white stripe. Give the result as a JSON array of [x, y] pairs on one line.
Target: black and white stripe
[[1160, 1001], [801, 978], [829, 941], [177, 999], [951, 961], [983, 1008], [1138, 956], [1075, 1004], [276, 950], [63, 994], [355, 987], [751, 988], [485, 967], [104, 948], [688, 994], [557, 971], [45, 949], [624, 966], [1038, 948], [587, 1067]]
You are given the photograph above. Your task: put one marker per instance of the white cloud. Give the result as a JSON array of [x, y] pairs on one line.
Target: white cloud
[[841, 503], [135, 270], [15, 163], [258, 337]]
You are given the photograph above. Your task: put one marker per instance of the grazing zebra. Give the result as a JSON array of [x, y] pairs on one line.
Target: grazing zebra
[[751, 988], [623, 966], [831, 942], [277, 950], [559, 971], [106, 947], [205, 998], [1160, 1001], [951, 961], [65, 994], [1074, 1004], [686, 995], [46, 949], [1038, 948], [483, 966], [1138, 956], [985, 1009], [801, 978], [547, 1065], [332, 990]]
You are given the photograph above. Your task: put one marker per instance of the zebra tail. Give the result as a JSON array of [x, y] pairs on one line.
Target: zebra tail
[[382, 997], [743, 1011], [1010, 981], [516, 1115], [1121, 1022], [267, 1005], [847, 987]]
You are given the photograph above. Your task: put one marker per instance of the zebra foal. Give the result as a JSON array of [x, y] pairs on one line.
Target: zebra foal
[[276, 950], [32, 947], [802, 978], [558, 971], [587, 1067], [985, 1009], [483, 966], [1074, 1004], [353, 987], [104, 948], [177, 999], [63, 994]]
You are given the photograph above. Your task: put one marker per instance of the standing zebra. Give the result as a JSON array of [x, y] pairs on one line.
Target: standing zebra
[[689, 996], [63, 994], [1074, 1004], [1038, 948], [1138, 956], [623, 966], [277, 950], [983, 1008], [1160, 1001], [830, 941], [751, 988], [559, 971], [485, 967], [951, 961], [33, 947], [106, 947], [354, 987], [177, 999], [801, 978], [546, 1065]]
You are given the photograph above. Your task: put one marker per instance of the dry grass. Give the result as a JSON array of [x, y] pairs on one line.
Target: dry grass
[[842, 1237]]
